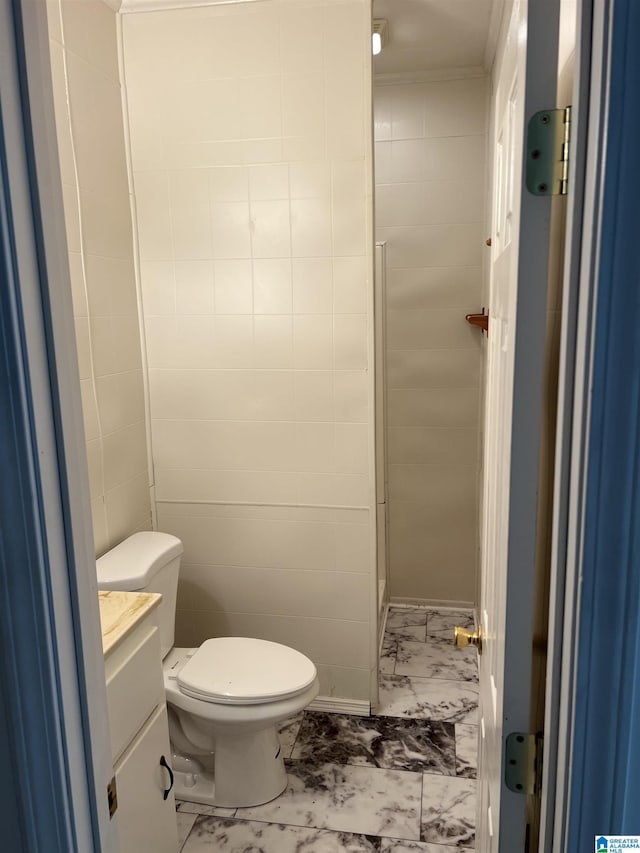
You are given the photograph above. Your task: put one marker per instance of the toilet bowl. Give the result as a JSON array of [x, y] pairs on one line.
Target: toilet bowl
[[225, 698], [226, 716]]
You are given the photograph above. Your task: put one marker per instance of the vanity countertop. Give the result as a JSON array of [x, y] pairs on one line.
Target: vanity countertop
[[120, 612]]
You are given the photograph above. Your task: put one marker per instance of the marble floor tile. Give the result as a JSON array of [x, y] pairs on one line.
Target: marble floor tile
[[387, 661], [405, 622], [466, 750], [200, 808], [387, 742], [347, 799], [236, 836], [391, 845], [428, 698], [437, 658], [288, 732], [448, 811], [185, 822], [440, 623]]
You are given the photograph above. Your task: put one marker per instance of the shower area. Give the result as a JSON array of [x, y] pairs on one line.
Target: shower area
[[431, 95]]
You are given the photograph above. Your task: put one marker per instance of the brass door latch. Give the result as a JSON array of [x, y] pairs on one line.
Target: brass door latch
[[463, 638]]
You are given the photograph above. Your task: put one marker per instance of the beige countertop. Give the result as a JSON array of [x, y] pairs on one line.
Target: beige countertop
[[120, 612]]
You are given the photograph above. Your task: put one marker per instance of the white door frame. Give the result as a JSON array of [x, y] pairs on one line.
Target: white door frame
[[52, 373], [587, 156]]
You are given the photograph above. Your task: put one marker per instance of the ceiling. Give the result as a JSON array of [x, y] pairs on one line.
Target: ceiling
[[431, 35]]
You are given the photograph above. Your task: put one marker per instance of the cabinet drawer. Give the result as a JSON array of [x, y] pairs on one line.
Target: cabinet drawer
[[134, 685], [146, 821]]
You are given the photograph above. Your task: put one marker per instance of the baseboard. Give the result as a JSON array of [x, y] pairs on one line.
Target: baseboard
[[400, 601], [332, 705]]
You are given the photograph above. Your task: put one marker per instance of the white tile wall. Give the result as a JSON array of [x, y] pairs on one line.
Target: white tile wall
[[251, 139], [91, 145], [430, 143], [300, 576]]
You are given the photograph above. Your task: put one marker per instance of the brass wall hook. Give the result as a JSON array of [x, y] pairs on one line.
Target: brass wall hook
[[479, 320]]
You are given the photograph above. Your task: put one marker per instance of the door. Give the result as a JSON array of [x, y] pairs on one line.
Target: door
[[524, 82]]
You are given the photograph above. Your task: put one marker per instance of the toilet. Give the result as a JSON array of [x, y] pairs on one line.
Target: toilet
[[225, 698]]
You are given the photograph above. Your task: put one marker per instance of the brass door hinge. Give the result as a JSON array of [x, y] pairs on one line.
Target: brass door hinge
[[523, 763], [547, 166]]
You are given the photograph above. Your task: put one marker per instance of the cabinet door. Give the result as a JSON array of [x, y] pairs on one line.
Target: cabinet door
[[146, 821]]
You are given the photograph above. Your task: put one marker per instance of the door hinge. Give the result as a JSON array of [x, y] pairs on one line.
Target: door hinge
[[523, 763], [547, 166], [112, 796]]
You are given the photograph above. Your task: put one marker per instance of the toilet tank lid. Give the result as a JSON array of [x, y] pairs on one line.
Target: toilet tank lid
[[131, 565]]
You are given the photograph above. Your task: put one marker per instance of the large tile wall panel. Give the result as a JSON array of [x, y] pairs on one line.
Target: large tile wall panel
[[91, 145], [430, 141], [252, 150]]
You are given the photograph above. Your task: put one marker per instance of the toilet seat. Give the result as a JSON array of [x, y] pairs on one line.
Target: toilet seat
[[245, 671]]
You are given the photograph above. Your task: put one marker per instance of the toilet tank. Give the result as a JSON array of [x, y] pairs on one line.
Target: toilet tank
[[146, 562]]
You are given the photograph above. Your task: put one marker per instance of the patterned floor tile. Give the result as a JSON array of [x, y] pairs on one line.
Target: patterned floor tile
[[390, 845], [361, 800], [440, 623], [428, 699], [386, 742], [239, 836], [437, 658], [406, 623], [466, 751], [185, 823], [387, 658], [448, 811]]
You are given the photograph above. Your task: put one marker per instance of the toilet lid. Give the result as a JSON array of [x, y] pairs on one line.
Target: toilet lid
[[244, 671]]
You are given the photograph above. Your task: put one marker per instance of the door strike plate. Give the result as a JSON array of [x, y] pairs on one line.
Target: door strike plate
[[547, 166], [523, 763]]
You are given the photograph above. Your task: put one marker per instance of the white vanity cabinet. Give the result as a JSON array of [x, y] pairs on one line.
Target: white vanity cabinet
[[145, 813]]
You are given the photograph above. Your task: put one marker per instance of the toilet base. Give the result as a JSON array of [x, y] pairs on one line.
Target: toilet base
[[194, 787], [249, 771]]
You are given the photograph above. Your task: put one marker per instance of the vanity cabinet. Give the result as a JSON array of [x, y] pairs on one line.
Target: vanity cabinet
[[145, 815]]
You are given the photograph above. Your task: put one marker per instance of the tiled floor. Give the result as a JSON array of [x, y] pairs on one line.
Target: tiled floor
[[401, 781]]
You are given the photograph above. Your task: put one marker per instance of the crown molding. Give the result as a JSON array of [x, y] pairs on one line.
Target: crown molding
[[130, 6], [434, 75], [113, 4]]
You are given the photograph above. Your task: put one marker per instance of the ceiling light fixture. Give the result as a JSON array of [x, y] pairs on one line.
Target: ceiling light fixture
[[379, 36]]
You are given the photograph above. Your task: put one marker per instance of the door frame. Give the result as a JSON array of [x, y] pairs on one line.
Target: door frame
[[53, 699], [51, 468], [591, 783]]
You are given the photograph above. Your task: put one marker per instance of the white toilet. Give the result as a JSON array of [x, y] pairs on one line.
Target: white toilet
[[225, 698]]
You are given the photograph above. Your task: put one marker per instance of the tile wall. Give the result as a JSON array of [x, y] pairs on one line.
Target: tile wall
[[88, 111], [250, 130], [430, 141]]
